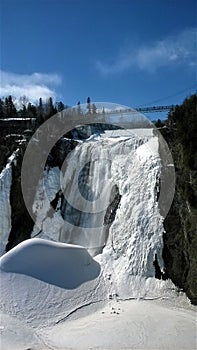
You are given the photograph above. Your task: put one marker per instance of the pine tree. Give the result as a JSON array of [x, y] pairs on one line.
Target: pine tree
[[50, 109], [89, 105], [2, 115], [12, 108], [60, 106], [31, 111], [40, 111], [24, 112], [94, 108], [6, 108], [79, 111], [23, 101]]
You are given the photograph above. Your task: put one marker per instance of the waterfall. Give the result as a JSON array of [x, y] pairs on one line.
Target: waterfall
[[88, 189], [111, 175], [93, 170]]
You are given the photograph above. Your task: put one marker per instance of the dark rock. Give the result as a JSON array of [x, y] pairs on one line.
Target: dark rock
[[180, 237], [21, 222]]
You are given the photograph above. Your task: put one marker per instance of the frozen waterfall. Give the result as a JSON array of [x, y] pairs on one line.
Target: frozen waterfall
[[107, 199], [5, 208]]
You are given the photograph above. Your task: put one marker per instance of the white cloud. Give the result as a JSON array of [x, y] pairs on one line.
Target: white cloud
[[33, 86], [179, 49]]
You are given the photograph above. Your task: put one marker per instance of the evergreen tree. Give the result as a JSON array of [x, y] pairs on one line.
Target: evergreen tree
[[1, 109], [89, 105], [159, 123], [60, 106], [6, 108], [182, 130], [11, 107], [40, 111], [50, 109], [79, 111], [31, 111], [94, 108], [23, 101]]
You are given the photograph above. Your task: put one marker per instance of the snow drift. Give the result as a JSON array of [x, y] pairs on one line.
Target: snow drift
[[59, 264]]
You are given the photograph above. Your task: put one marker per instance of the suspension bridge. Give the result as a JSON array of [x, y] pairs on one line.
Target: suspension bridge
[[142, 110], [155, 109]]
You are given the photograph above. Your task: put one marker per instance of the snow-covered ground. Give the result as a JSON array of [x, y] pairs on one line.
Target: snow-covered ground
[[80, 308], [55, 295], [126, 325]]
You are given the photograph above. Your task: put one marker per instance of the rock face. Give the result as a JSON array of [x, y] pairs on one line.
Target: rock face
[[13, 138], [21, 221], [180, 238]]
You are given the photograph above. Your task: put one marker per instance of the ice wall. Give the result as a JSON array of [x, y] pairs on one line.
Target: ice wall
[[5, 208]]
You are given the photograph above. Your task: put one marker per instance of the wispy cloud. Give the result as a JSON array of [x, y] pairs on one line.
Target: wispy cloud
[[179, 49], [33, 86]]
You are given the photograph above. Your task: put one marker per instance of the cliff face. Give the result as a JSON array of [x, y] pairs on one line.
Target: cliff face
[[21, 222], [12, 140], [180, 238]]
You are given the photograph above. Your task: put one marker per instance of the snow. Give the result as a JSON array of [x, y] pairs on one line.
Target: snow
[[121, 134], [45, 315], [44, 295], [62, 265], [16, 335], [17, 119], [126, 325], [55, 295]]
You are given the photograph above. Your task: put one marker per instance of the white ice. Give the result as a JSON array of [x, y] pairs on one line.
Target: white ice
[[5, 208]]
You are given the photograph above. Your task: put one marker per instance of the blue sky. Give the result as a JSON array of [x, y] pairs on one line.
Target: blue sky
[[132, 52]]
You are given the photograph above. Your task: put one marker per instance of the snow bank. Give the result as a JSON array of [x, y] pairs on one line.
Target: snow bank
[[63, 265], [43, 282]]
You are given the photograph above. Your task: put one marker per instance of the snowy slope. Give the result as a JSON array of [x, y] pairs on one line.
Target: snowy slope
[[41, 315], [42, 282]]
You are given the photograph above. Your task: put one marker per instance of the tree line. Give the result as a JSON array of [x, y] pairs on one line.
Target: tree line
[[42, 111], [181, 128]]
